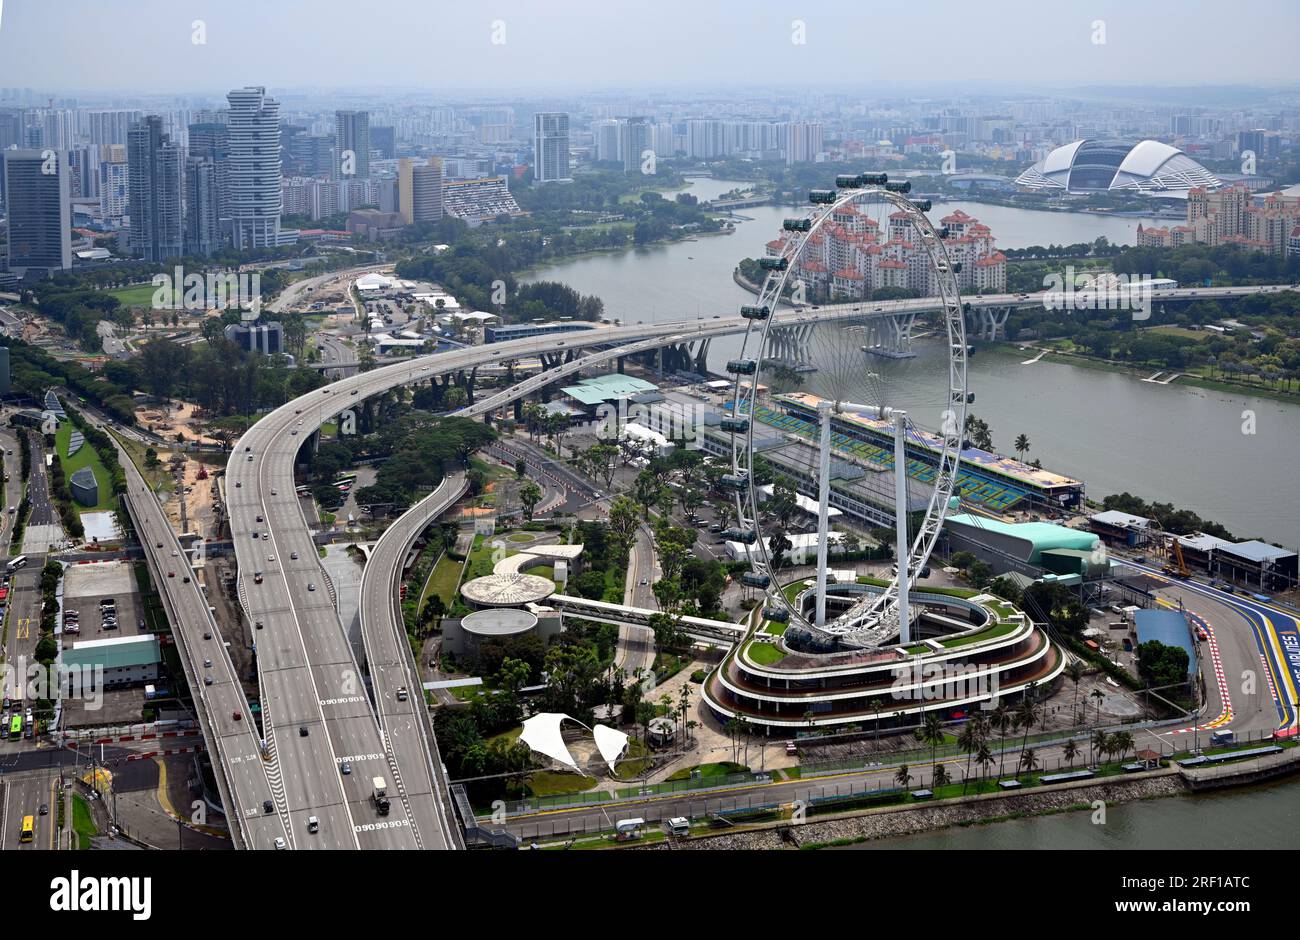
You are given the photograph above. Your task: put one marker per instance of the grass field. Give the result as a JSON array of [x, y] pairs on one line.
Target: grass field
[[138, 295], [85, 457], [83, 822]]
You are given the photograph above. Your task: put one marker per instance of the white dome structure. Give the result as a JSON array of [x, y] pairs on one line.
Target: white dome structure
[[1148, 168]]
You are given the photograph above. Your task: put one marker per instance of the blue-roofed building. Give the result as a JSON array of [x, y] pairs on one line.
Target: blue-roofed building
[[1169, 627]]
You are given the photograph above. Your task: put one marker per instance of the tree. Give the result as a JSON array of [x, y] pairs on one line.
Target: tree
[[1021, 445], [529, 495], [939, 776], [903, 777], [931, 733], [1070, 752]]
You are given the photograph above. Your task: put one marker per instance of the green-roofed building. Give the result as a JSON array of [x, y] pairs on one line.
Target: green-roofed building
[[615, 387], [125, 660], [1030, 548]]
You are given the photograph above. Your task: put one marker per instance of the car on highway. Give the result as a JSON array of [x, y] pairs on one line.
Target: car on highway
[[207, 634], [302, 731], [258, 625], [293, 555], [259, 518], [401, 694], [207, 664], [44, 810], [207, 680], [266, 536], [238, 484], [248, 447], [250, 456], [311, 585], [280, 843], [268, 806], [313, 824], [274, 492], [160, 544], [171, 574], [237, 716], [175, 553]]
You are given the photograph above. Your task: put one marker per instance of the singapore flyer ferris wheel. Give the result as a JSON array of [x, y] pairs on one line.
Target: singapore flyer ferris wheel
[[825, 383]]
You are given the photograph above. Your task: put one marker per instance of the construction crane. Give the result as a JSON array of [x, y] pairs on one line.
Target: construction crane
[[1177, 565]]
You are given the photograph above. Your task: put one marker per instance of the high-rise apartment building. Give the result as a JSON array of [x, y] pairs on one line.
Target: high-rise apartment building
[[419, 187], [154, 173], [351, 145], [202, 207], [211, 141], [254, 171], [635, 144], [551, 147], [38, 200], [383, 141], [114, 187]]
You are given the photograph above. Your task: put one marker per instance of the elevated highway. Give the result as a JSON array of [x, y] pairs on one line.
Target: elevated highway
[[245, 781]]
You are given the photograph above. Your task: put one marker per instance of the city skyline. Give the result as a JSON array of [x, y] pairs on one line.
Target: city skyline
[[732, 45]]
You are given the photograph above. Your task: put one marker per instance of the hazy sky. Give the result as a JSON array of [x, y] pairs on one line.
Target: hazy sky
[[590, 45]]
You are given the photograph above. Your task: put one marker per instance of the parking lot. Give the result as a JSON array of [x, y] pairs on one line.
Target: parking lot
[[87, 588]]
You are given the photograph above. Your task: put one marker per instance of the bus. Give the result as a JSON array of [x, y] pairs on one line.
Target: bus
[[16, 563], [16, 726], [29, 829]]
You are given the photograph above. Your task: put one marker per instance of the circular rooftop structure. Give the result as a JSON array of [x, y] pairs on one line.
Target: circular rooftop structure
[[1091, 165], [505, 621], [506, 590]]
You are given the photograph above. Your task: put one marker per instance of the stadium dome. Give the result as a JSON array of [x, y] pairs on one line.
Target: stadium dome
[[1148, 168]]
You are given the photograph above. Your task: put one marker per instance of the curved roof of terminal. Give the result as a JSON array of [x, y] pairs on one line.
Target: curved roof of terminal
[[1041, 535]]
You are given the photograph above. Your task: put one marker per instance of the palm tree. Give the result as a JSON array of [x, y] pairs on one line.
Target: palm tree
[[939, 778], [1028, 760], [1098, 695], [1123, 741], [984, 757], [931, 733], [1075, 672], [1071, 751], [875, 705], [903, 777], [968, 740], [1002, 720], [1097, 744], [1026, 714], [1022, 445]]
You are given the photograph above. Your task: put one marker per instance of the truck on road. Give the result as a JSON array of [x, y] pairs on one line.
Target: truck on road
[[379, 795]]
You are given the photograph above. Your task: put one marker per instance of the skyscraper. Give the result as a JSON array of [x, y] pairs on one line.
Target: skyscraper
[[419, 189], [202, 207], [383, 140], [636, 144], [254, 171], [37, 194], [551, 147], [155, 186], [114, 183], [211, 141], [351, 145]]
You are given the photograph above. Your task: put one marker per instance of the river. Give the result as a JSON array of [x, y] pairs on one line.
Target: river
[[1261, 817], [1174, 443]]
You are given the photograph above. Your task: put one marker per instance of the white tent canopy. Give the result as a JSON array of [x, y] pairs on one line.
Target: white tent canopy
[[542, 734]]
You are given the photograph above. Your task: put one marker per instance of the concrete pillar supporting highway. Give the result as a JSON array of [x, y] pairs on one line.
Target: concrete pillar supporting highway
[[519, 409], [700, 357], [622, 361]]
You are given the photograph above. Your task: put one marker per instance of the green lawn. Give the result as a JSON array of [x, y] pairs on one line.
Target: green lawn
[[442, 581], [83, 822], [765, 654], [85, 457], [721, 769], [992, 633], [139, 295]]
